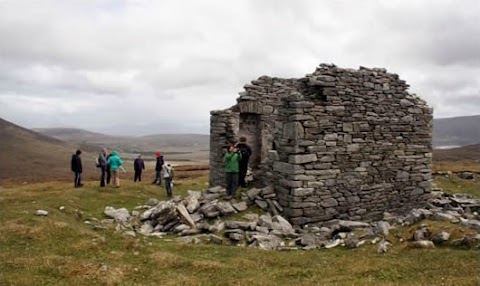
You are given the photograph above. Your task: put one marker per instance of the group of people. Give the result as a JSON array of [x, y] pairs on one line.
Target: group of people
[[110, 166], [236, 165]]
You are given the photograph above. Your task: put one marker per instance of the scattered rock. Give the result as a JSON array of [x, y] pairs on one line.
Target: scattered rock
[[182, 211], [382, 228], [440, 237], [215, 239], [333, 244], [383, 246], [253, 193], [351, 241], [240, 206], [152, 202], [40, 213], [225, 208], [422, 244], [353, 224]]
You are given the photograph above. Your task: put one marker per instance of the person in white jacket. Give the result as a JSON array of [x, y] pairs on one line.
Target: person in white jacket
[[168, 174]]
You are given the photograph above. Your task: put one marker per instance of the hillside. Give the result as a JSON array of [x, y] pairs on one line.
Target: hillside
[[28, 155], [456, 131], [470, 152]]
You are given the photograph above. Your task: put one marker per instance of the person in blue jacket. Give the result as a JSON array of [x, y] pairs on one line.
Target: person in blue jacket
[[115, 165]]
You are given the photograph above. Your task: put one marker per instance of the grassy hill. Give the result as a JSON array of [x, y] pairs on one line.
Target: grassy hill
[[28, 155], [470, 152], [456, 131]]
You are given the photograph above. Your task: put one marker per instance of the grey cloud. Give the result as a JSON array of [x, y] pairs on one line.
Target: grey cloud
[[68, 60]]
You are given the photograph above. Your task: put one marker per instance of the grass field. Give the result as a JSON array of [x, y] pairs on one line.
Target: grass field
[[60, 249], [457, 166]]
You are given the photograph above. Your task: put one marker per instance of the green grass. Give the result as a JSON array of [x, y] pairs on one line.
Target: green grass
[[454, 185], [61, 249]]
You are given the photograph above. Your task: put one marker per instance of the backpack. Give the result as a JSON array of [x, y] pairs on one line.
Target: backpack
[[244, 151], [73, 164], [97, 162], [169, 172]]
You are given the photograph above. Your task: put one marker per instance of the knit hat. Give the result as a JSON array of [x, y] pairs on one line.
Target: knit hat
[[157, 154], [104, 150]]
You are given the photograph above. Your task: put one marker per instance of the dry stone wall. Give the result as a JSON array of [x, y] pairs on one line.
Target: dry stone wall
[[338, 143]]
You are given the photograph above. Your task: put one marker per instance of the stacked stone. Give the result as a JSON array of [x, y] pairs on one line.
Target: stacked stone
[[261, 97], [223, 131], [350, 144]]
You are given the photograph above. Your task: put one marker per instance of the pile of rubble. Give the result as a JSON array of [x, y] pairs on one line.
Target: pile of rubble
[[206, 217]]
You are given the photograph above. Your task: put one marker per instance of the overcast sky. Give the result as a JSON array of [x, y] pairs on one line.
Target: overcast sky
[[140, 67]]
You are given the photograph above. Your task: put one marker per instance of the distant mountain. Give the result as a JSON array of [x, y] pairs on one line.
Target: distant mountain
[[175, 147], [72, 134], [470, 152], [456, 131], [28, 155]]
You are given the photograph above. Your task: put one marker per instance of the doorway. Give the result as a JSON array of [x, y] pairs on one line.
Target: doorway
[[250, 128]]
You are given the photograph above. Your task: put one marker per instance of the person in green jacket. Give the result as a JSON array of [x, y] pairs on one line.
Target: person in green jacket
[[115, 164], [231, 160]]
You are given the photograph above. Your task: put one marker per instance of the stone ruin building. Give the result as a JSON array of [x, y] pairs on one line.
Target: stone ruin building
[[336, 144]]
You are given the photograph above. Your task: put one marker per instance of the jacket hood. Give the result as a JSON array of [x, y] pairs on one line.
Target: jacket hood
[[114, 153]]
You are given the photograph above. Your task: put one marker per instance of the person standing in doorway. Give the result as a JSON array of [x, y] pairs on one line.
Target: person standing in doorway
[[158, 169], [231, 160], [246, 152], [115, 165], [168, 174], [76, 166], [102, 164], [138, 166]]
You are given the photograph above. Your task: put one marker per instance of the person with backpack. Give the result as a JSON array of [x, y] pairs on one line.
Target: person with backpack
[[158, 169], [101, 163], [115, 165], [231, 160], [246, 152], [76, 166], [138, 166], [168, 175]]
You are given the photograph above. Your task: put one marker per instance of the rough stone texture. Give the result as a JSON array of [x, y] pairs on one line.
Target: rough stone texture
[[336, 144]]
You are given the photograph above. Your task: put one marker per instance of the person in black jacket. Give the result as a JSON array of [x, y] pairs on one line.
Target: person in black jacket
[[138, 166], [108, 170], [102, 164], [246, 152], [158, 169], [77, 168]]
